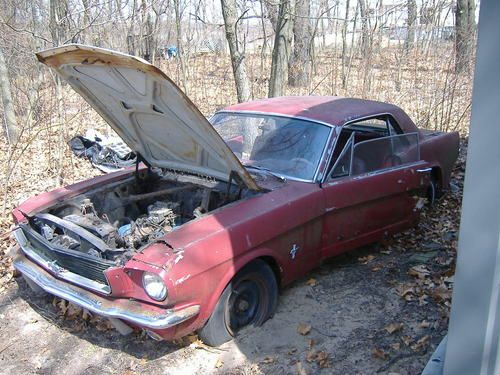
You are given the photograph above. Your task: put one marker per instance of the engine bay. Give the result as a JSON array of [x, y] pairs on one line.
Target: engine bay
[[116, 220]]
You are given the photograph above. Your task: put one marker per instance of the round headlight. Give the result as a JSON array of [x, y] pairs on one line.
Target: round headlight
[[154, 286]]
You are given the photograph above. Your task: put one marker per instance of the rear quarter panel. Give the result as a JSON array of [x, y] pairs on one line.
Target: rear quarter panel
[[440, 150]]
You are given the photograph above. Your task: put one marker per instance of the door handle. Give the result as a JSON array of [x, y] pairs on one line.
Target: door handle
[[424, 170]]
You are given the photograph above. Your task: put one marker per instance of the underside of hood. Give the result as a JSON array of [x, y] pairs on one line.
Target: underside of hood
[[147, 110]]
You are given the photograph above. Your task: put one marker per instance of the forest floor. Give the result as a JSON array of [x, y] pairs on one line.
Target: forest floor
[[380, 309]]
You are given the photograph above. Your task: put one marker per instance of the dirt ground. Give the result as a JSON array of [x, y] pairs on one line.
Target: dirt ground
[[380, 309]]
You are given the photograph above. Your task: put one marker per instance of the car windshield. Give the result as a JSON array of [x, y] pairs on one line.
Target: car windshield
[[285, 146]]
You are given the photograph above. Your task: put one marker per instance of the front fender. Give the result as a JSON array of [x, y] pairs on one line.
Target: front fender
[[236, 264]]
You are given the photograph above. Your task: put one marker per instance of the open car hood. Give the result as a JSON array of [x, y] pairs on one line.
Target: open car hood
[[149, 112]]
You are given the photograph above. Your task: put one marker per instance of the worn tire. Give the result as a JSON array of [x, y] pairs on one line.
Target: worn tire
[[255, 278], [434, 192]]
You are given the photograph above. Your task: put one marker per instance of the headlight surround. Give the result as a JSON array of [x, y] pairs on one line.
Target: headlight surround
[[154, 286]]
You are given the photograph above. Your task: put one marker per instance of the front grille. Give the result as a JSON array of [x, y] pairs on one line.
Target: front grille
[[79, 263]]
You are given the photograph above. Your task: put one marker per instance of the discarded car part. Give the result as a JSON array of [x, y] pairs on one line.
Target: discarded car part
[[108, 154]]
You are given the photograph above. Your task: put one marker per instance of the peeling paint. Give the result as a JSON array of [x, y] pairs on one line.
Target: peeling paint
[[182, 279], [180, 255]]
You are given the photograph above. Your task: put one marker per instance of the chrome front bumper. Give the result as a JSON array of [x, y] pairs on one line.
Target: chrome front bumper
[[130, 311]]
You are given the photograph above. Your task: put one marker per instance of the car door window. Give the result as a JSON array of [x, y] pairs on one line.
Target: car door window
[[376, 126], [375, 154], [384, 153], [342, 166]]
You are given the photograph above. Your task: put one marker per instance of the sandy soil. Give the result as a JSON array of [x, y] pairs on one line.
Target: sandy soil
[[348, 304]]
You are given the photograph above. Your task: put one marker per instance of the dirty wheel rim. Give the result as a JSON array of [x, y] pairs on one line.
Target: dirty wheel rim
[[246, 304]]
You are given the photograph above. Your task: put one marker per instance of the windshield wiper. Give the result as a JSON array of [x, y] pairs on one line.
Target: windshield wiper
[[264, 169]]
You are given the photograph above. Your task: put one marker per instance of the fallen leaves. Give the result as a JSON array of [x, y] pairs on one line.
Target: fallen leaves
[[304, 329], [406, 340], [80, 316], [379, 353], [421, 343], [311, 282], [366, 259], [300, 369], [393, 327], [320, 357], [406, 291], [219, 363], [441, 293], [268, 360], [419, 271], [376, 268], [396, 346], [424, 324]]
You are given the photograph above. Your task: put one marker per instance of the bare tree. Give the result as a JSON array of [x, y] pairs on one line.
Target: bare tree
[[59, 21], [411, 6], [344, 46], [281, 50], [366, 47], [229, 12], [363, 13], [180, 44], [11, 128], [465, 25], [299, 69]]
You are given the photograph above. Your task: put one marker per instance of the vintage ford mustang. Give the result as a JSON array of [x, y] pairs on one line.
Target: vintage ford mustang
[[219, 214]]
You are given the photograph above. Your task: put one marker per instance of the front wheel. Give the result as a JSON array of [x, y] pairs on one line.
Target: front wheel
[[249, 299]]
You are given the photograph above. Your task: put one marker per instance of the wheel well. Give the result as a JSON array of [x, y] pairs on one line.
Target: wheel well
[[271, 262]]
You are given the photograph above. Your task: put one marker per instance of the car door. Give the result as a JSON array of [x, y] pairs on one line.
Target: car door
[[372, 190]]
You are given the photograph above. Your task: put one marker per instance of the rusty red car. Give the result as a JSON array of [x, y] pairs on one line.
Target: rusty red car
[[219, 214]]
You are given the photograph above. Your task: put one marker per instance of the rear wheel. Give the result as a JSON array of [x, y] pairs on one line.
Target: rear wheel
[[434, 191], [249, 299]]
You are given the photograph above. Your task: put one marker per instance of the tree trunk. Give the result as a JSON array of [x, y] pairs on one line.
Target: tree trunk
[[86, 22], [264, 37], [464, 34], [59, 25], [279, 64], [366, 48], [411, 6], [364, 27], [299, 69], [11, 128], [230, 15], [59, 21], [344, 46], [180, 47]]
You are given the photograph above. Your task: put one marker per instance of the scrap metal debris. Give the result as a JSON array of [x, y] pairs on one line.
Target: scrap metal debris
[[106, 153]]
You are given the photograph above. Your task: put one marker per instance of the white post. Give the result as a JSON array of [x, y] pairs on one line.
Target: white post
[[473, 338]]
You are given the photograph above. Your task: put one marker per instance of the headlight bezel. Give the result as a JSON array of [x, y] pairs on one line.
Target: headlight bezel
[[148, 280]]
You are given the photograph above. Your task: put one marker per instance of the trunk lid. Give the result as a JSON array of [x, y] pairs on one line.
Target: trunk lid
[[147, 110]]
